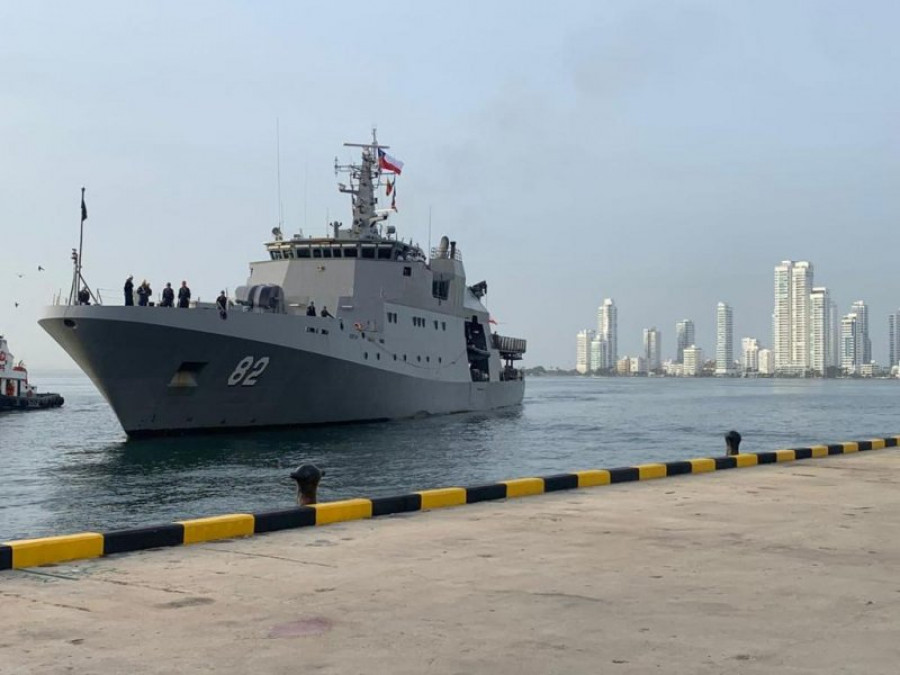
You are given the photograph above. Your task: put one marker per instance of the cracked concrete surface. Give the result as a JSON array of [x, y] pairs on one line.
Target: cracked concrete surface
[[788, 568]]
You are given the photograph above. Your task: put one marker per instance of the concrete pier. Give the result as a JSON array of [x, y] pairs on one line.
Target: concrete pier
[[788, 568]]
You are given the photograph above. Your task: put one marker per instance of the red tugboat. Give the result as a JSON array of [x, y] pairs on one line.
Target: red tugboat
[[15, 392]]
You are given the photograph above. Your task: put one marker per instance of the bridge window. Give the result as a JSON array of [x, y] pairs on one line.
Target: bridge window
[[350, 251], [384, 252], [326, 252], [368, 252], [440, 289], [317, 253], [407, 271], [303, 253]]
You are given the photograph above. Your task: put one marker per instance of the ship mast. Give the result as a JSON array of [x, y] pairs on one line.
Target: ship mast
[[365, 178]]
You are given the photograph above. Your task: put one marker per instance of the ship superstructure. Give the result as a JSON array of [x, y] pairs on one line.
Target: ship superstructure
[[358, 325]]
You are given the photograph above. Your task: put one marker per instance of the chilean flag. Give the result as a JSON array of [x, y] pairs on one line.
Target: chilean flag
[[388, 163]]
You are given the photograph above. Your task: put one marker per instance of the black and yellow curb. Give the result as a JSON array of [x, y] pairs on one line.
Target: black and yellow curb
[[47, 550]]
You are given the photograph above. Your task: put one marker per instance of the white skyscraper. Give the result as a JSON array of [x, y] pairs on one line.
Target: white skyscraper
[[781, 316], [598, 355], [851, 354], [583, 351], [693, 361], [724, 340], [801, 287], [862, 317], [652, 340], [607, 329], [791, 317], [834, 322], [684, 337], [749, 355], [820, 333], [766, 362], [893, 339]]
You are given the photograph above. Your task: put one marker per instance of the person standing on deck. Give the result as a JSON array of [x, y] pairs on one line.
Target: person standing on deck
[[129, 291], [184, 295]]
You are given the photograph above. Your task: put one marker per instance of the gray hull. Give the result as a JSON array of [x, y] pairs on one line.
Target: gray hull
[[170, 371]]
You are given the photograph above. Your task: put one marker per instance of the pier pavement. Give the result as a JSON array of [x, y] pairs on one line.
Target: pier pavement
[[787, 568]]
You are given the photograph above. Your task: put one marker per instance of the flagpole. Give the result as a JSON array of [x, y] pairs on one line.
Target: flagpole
[[81, 232]]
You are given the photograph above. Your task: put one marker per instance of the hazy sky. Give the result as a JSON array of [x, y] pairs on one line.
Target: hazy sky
[[666, 154]]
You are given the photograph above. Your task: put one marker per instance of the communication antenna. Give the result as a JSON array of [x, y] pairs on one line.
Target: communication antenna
[[278, 172], [429, 229]]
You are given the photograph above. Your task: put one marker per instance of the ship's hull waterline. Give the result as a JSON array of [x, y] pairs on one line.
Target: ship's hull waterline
[[169, 371]]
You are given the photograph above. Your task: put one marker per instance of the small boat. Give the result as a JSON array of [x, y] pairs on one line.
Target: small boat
[[15, 392]]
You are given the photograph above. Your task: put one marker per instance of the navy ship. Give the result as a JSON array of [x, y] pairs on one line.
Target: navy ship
[[356, 326]]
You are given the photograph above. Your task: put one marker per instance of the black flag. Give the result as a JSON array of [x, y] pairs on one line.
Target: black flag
[[83, 207]]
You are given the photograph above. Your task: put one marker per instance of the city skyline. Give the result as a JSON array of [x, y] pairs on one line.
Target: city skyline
[[808, 335]]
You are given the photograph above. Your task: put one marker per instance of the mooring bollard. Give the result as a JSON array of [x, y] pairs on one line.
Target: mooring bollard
[[307, 477], [732, 443]]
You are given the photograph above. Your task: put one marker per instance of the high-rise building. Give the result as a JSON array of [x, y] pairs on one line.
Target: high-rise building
[[693, 361], [652, 340], [820, 331], [862, 317], [834, 322], [893, 339], [766, 362], [684, 337], [599, 355], [851, 354], [583, 351], [791, 317], [781, 316], [801, 287], [749, 355], [724, 340], [608, 330]]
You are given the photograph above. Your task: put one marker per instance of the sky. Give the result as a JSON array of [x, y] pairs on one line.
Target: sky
[[665, 154]]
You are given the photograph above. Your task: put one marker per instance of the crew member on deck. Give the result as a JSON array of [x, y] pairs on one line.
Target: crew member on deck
[[222, 304], [325, 313], [84, 297], [143, 293], [311, 309], [168, 296], [129, 291], [184, 295]]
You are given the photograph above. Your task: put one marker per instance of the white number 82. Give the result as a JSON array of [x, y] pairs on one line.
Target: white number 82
[[245, 375]]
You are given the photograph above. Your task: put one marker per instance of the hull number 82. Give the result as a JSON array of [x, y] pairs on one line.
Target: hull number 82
[[247, 371]]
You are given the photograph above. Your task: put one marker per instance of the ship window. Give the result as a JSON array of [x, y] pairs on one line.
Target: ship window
[[419, 358], [407, 271], [428, 359], [368, 252], [365, 355], [324, 331], [404, 357], [440, 360], [326, 252], [317, 253], [384, 252], [303, 253], [377, 356], [336, 251], [395, 357], [310, 329], [350, 252], [443, 325], [435, 325], [440, 289]]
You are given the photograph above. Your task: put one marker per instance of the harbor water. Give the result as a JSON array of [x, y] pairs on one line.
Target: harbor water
[[73, 469]]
